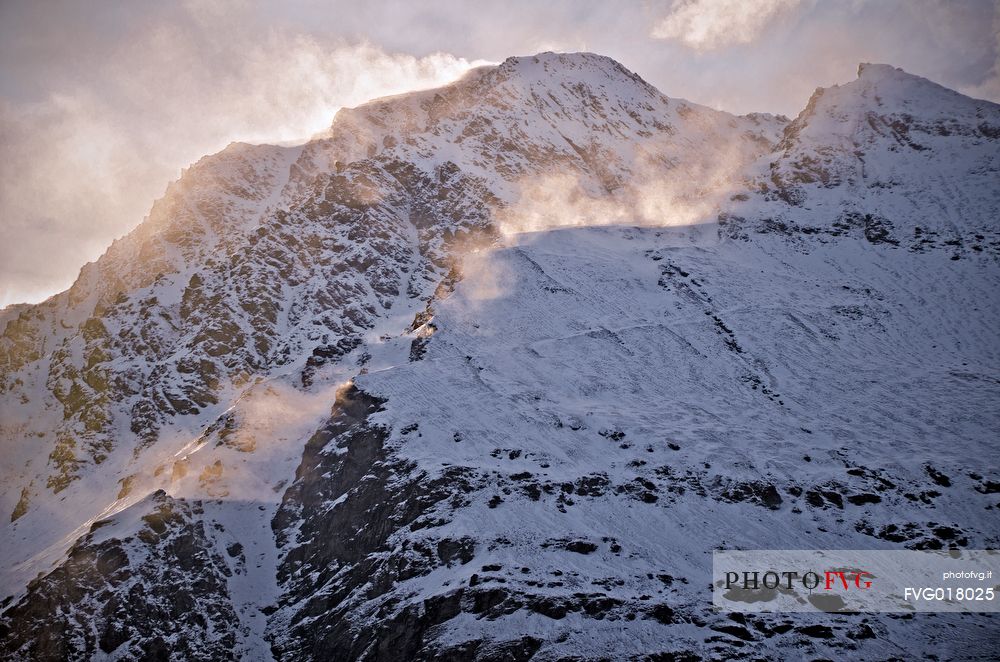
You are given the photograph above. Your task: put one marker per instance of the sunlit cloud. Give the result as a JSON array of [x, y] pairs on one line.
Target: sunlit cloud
[[989, 88], [236, 458], [656, 192], [238, 455], [81, 168], [710, 24]]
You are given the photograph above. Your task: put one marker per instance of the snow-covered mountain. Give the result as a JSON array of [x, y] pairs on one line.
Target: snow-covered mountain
[[487, 371]]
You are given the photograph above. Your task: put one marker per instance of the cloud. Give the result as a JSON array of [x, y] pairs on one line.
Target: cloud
[[711, 24], [989, 86], [82, 164], [652, 199]]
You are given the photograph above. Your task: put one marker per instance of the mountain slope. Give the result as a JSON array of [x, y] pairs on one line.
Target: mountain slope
[[894, 156], [571, 446], [391, 395]]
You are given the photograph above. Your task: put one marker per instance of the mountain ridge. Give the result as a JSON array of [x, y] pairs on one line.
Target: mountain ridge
[[296, 355]]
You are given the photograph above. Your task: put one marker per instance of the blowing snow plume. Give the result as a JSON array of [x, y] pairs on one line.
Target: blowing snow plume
[[656, 193], [81, 167]]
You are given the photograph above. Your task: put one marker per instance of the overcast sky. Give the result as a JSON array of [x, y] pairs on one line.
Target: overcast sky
[[102, 103]]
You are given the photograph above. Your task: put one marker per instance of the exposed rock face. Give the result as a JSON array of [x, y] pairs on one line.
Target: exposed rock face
[[389, 395], [345, 560], [159, 594]]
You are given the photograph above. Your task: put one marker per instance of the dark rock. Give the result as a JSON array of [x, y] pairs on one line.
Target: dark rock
[[580, 547], [816, 631]]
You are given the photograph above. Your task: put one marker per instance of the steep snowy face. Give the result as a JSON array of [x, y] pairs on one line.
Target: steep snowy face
[[374, 396], [598, 408]]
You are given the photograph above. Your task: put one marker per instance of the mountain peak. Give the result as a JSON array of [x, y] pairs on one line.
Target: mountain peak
[[550, 59], [885, 90], [889, 86], [870, 71], [551, 108], [550, 67]]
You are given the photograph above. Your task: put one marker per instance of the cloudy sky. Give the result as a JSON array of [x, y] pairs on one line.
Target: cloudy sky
[[102, 103]]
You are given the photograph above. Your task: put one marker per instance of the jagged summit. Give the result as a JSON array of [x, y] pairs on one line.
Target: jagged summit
[[578, 114], [518, 84], [876, 70], [563, 61], [547, 69], [892, 80], [549, 66], [883, 86], [853, 144]]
